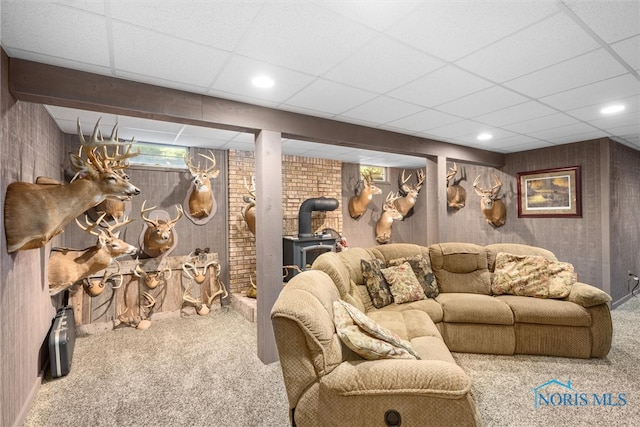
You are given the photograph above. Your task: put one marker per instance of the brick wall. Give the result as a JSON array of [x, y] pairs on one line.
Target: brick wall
[[302, 178]]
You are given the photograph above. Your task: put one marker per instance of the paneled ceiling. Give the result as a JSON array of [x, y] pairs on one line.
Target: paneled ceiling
[[531, 74]]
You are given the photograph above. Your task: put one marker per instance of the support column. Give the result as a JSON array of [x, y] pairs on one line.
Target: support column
[[441, 182], [268, 156]]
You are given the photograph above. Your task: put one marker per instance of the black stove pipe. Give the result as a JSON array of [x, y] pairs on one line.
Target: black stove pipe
[[321, 204]]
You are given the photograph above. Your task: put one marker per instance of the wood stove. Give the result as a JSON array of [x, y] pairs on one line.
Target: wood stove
[[306, 247]]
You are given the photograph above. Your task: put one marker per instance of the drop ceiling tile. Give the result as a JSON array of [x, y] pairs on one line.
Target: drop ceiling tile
[[200, 141], [497, 134], [530, 145], [422, 121], [455, 130], [560, 133], [541, 123], [629, 51], [302, 36], [592, 112], [529, 49], [440, 86], [584, 69], [510, 141], [219, 24], [382, 110], [482, 102], [516, 113], [329, 97], [149, 53], [372, 13], [205, 132], [611, 20], [382, 65], [238, 72], [451, 30], [37, 30], [595, 93]]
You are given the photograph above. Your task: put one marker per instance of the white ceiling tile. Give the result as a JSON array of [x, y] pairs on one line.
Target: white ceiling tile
[[516, 113], [550, 41], [451, 30], [592, 112], [596, 93], [557, 134], [422, 121], [382, 65], [382, 110], [482, 102], [529, 145], [238, 72], [629, 51], [218, 24], [440, 86], [611, 20], [329, 97], [510, 141], [207, 132], [575, 72], [149, 53], [542, 123], [302, 36], [497, 134], [37, 30], [373, 13], [457, 129]]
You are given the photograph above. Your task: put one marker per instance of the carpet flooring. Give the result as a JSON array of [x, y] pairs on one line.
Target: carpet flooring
[[203, 371]]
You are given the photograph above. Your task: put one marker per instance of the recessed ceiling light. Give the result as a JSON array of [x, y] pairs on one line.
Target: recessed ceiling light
[[263, 82], [612, 109], [484, 136]]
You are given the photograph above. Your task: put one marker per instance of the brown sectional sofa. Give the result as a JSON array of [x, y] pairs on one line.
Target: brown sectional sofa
[[328, 384]]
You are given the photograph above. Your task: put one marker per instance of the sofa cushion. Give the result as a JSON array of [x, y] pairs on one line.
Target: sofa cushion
[[587, 295], [403, 283], [460, 267], [546, 311], [366, 338], [516, 249], [474, 308], [531, 275], [422, 269], [375, 282]]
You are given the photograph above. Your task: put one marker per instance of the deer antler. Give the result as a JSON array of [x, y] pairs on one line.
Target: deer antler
[[179, 213], [90, 225], [402, 183], [110, 228], [452, 172], [146, 219], [211, 158]]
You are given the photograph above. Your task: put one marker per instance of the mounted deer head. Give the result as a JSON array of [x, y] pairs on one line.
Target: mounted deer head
[[152, 279], [159, 235], [201, 201], [389, 214], [68, 266], [408, 193], [492, 207], [249, 210], [456, 194], [35, 213], [358, 203], [95, 287]]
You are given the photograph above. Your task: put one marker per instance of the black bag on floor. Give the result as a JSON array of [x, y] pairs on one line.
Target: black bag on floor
[[62, 339]]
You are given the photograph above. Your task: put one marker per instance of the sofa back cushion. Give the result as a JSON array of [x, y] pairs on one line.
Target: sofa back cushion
[[460, 267]]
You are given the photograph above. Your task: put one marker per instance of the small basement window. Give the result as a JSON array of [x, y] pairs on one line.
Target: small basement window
[[159, 155]]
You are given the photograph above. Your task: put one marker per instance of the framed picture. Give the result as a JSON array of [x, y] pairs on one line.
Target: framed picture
[[379, 173], [550, 193]]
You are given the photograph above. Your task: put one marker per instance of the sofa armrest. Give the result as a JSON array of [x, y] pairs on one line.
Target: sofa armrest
[[397, 376], [587, 295]]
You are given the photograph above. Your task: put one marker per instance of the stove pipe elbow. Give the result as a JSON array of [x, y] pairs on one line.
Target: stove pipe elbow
[[308, 206]]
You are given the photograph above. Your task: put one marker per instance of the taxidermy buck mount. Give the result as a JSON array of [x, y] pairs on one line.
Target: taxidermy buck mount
[[389, 214], [68, 266], [494, 210], [35, 213], [249, 210], [408, 193], [159, 236], [456, 194], [365, 190], [202, 204]]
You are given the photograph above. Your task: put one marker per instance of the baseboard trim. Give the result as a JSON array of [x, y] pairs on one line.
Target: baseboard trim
[[621, 301]]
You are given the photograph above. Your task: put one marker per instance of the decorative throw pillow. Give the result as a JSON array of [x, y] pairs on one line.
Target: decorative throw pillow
[[532, 276], [403, 283], [375, 282], [367, 338], [422, 269]]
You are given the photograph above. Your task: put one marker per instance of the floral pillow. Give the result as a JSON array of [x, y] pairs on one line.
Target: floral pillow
[[422, 269], [403, 283], [532, 276], [375, 282], [367, 338]]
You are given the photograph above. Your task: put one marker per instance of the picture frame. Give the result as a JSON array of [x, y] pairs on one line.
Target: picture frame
[[550, 193]]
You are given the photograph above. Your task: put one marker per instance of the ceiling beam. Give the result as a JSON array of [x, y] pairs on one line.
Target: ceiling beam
[[47, 84]]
